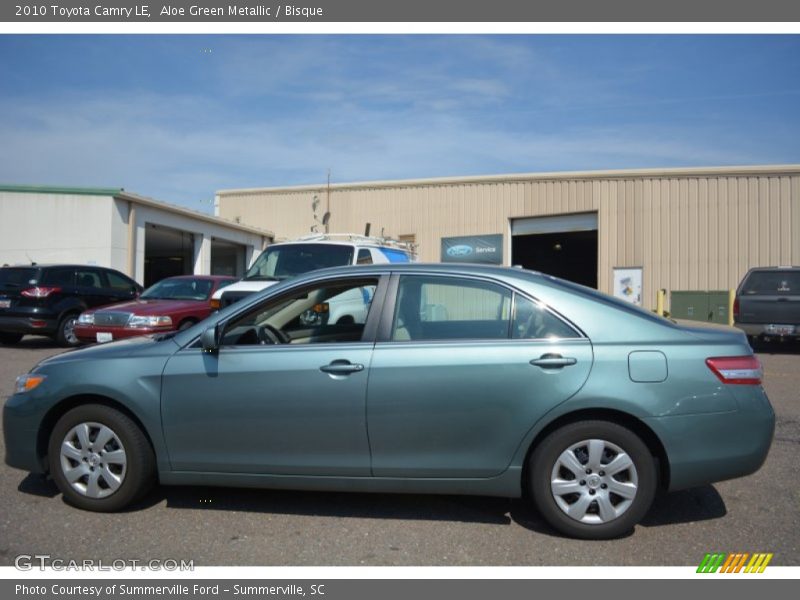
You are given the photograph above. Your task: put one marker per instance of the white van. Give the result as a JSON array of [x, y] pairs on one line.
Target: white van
[[286, 259]]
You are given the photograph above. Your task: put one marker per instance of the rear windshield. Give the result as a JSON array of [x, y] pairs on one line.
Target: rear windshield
[[17, 277], [772, 282]]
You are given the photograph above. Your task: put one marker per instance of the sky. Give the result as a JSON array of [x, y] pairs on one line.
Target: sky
[[179, 117]]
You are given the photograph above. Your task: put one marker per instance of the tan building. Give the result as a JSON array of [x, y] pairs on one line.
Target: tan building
[[677, 229]]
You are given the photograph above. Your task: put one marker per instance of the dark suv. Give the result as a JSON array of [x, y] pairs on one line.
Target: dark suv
[[767, 304], [47, 299]]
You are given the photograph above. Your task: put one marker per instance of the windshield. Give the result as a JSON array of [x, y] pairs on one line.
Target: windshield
[[283, 261], [183, 288], [772, 282]]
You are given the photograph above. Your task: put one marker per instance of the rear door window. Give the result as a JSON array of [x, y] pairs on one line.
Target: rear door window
[[89, 278], [445, 308]]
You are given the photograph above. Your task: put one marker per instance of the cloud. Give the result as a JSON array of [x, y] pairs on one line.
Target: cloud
[[271, 111]]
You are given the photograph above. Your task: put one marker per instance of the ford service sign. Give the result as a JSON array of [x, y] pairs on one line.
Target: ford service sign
[[486, 249]]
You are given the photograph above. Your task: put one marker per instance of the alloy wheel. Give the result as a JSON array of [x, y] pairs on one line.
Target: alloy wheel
[[594, 481], [93, 460]]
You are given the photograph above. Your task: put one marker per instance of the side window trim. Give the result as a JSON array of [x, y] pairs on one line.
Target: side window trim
[[370, 327], [578, 333], [384, 333]]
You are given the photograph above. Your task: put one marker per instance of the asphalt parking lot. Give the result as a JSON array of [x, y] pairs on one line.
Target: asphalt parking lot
[[216, 526]]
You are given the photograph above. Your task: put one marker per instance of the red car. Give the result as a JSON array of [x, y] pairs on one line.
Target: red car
[[172, 303]]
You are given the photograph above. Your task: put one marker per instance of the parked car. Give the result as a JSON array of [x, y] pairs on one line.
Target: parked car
[[460, 379], [767, 304], [47, 299], [287, 259], [172, 303]]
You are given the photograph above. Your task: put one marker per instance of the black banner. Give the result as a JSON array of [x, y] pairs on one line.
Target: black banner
[[395, 589], [472, 11]]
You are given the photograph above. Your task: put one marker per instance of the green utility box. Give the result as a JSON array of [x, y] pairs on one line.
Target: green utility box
[[700, 306]]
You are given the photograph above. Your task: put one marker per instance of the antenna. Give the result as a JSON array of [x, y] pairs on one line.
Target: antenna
[[328, 201]]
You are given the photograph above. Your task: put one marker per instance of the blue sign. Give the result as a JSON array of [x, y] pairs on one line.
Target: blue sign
[[485, 249]]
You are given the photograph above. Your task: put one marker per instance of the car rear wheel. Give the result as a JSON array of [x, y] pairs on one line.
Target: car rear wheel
[[593, 479], [65, 334], [100, 459], [10, 338]]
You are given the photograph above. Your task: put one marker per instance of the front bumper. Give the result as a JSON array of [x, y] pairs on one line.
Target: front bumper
[[88, 333], [20, 433]]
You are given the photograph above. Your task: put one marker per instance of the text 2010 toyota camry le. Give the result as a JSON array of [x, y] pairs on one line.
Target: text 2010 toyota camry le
[[454, 379]]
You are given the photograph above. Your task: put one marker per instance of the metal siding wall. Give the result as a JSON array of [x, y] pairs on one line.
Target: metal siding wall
[[686, 231]]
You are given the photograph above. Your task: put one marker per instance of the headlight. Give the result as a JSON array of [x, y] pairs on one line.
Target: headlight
[[147, 321], [86, 319], [26, 383]]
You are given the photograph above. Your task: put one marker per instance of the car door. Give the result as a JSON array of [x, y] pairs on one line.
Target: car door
[[463, 368], [91, 286], [120, 288], [285, 393]]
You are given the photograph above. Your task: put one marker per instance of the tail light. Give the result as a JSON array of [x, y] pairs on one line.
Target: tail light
[[736, 308], [215, 303], [743, 370], [40, 292]]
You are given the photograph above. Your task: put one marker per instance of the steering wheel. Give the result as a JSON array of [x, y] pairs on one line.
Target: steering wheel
[[267, 334]]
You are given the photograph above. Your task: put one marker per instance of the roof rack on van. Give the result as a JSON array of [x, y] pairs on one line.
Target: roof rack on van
[[358, 238]]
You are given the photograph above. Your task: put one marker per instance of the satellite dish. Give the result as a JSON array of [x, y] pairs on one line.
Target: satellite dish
[[325, 218]]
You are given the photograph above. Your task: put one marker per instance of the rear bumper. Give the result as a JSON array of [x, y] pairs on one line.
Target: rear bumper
[[704, 448], [34, 325], [762, 330]]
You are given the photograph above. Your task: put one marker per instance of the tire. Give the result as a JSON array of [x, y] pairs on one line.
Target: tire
[[10, 338], [119, 479], [186, 324], [598, 512], [65, 336]]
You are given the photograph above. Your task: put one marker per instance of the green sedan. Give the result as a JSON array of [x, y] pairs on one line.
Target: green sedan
[[452, 379]]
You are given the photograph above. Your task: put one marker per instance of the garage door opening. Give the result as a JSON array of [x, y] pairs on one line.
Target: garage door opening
[[167, 253], [227, 258], [563, 246]]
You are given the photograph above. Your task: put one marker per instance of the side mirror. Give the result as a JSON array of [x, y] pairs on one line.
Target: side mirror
[[210, 340]]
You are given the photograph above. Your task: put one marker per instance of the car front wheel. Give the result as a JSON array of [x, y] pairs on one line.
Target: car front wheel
[[593, 479], [100, 459]]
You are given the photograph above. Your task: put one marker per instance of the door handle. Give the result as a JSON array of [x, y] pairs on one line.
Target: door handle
[[341, 367], [553, 361]]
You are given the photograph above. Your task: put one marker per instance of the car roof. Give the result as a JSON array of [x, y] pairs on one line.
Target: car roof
[[778, 268], [422, 267], [211, 277], [58, 266]]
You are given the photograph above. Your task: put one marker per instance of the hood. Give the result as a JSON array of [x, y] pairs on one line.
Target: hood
[[153, 307], [254, 285], [156, 344]]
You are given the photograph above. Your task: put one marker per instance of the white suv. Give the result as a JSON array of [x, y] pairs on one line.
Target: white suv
[[287, 259]]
